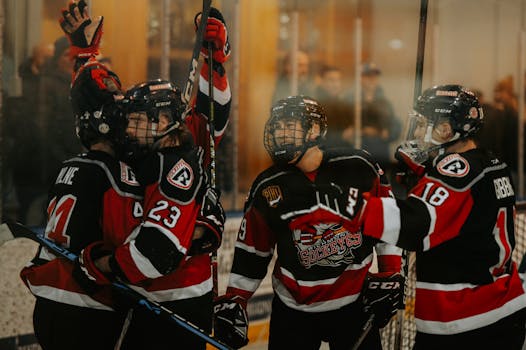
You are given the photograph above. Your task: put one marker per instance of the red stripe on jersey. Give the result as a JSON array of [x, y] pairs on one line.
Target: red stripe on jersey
[[445, 306], [220, 82], [254, 224], [389, 263], [117, 218], [128, 265], [193, 271], [451, 209], [348, 283], [57, 274]]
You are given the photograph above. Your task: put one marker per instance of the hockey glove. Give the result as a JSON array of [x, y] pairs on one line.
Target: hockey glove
[[83, 33], [215, 32], [211, 223], [231, 321], [409, 170], [383, 295], [323, 215], [85, 273]]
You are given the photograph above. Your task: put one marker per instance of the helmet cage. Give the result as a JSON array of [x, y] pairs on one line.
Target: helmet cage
[[151, 99], [287, 131]]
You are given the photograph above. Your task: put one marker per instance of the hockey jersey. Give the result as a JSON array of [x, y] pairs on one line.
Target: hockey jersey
[[94, 198], [314, 271], [459, 219], [155, 257]]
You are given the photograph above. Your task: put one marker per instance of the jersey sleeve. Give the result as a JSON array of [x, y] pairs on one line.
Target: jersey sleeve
[[197, 120], [171, 205], [253, 252], [432, 214]]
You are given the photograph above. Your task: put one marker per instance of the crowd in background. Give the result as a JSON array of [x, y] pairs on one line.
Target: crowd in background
[[40, 121]]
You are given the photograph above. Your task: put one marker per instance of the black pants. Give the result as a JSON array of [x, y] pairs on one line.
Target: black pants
[[506, 334], [293, 329], [149, 331], [64, 327]]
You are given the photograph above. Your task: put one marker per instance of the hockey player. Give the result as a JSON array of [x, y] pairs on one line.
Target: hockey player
[[459, 218], [94, 199], [320, 271], [167, 258]]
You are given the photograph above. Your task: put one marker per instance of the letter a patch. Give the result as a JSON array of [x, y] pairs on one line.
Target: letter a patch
[[181, 175]]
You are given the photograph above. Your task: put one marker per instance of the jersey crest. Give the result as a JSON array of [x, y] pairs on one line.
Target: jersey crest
[[273, 195], [329, 245], [453, 165], [181, 175], [127, 175]]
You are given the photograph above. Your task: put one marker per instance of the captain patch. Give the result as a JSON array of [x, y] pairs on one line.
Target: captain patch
[[181, 175], [453, 165], [127, 175]]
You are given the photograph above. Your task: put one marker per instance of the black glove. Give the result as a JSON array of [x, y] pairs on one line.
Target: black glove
[[231, 321], [210, 224], [216, 33], [83, 33], [383, 295], [85, 273]]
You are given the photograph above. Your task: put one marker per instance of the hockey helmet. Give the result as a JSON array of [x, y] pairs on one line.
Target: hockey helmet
[[93, 95], [295, 124], [442, 115], [151, 99]]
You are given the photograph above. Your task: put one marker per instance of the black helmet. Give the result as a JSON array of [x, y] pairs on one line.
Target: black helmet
[[455, 103], [97, 116], [283, 149], [153, 98], [451, 104]]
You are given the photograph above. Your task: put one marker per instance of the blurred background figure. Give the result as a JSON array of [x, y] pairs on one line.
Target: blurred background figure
[[331, 95], [284, 83], [380, 126], [24, 142]]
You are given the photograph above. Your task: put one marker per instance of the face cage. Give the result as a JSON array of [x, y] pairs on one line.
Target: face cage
[[290, 144], [139, 140]]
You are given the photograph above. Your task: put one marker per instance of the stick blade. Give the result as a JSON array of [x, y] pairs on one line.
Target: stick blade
[[13, 230]]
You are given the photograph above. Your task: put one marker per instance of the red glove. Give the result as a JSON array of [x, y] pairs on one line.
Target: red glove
[[217, 34], [86, 273], [83, 33]]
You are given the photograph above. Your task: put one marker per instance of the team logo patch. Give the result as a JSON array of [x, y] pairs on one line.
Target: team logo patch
[[453, 165], [128, 176], [181, 175], [273, 195], [327, 245]]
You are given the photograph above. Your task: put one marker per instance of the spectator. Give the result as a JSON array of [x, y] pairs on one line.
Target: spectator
[[339, 111], [380, 126], [25, 135], [284, 84], [56, 111]]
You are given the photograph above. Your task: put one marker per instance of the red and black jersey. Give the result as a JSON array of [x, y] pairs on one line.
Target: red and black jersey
[[175, 180], [315, 271], [95, 197], [459, 219]]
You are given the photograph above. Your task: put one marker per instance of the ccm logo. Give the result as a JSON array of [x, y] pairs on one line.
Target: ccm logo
[[384, 285]]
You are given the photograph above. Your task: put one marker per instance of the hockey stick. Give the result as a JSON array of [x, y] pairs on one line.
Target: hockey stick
[[211, 126], [420, 50], [10, 231], [187, 92], [365, 330]]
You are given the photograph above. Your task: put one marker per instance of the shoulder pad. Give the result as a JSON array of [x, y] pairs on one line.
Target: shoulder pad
[[262, 179], [456, 170], [120, 175], [182, 175]]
